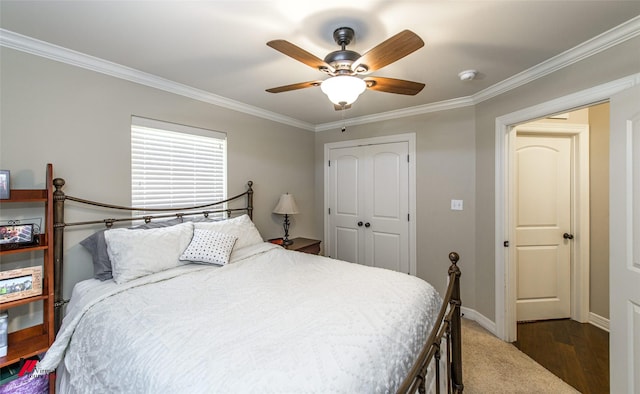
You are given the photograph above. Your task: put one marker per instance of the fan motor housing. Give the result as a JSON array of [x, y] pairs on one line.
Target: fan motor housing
[[342, 60]]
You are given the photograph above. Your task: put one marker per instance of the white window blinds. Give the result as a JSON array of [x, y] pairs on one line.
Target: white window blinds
[[175, 166]]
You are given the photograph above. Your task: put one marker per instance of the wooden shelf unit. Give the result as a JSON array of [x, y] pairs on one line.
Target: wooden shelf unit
[[26, 343], [42, 245], [31, 341]]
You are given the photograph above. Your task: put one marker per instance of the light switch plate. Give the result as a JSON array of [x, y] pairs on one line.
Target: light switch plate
[[456, 205]]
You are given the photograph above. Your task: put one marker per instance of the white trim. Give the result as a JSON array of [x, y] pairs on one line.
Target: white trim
[[410, 138], [479, 318], [599, 321], [162, 125], [595, 45], [401, 113], [36, 47], [599, 93], [471, 314]]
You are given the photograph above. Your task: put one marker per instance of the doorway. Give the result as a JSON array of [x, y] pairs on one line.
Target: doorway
[[551, 225], [573, 125], [505, 312], [623, 95]]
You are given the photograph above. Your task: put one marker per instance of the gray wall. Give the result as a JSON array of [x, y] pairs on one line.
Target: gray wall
[[445, 150], [456, 159], [80, 121], [616, 62]]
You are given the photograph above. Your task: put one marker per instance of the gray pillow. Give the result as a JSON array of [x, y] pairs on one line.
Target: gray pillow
[[97, 246]]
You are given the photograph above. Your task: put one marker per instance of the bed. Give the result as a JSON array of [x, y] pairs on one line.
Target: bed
[[191, 303]]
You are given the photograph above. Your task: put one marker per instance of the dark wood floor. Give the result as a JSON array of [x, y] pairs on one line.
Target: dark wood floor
[[578, 353]]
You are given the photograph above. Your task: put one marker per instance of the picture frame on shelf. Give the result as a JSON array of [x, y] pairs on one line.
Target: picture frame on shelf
[[13, 236], [5, 184], [37, 223], [20, 283]]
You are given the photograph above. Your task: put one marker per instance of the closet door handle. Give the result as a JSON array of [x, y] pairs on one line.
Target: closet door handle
[[567, 236], [367, 224], [360, 224]]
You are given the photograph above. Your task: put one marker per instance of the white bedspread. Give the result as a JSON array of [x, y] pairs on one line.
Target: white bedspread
[[272, 321]]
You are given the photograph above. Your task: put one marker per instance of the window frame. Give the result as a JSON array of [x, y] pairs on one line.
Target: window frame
[[188, 149]]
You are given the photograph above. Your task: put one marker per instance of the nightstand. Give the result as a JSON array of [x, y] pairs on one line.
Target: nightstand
[[305, 245]]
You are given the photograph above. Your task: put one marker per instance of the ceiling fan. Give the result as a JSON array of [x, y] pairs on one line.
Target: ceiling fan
[[344, 66]]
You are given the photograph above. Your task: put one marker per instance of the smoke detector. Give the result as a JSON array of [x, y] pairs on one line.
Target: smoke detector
[[468, 75]]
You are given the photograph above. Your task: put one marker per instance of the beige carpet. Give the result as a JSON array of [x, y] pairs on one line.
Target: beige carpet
[[490, 365]]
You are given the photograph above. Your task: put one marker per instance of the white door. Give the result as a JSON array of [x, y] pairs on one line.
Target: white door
[[369, 205], [346, 207], [624, 265], [387, 207], [543, 216]]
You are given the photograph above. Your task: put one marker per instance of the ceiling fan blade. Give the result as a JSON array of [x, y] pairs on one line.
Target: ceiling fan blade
[[340, 107], [295, 86], [391, 85], [300, 54], [390, 50]]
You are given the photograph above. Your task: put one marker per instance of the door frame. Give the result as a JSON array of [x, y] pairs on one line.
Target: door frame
[[504, 312], [580, 216], [410, 138]]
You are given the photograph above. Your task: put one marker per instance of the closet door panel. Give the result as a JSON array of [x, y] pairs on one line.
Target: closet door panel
[[345, 190]]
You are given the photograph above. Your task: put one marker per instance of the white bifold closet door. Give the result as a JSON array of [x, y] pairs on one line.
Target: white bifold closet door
[[369, 205]]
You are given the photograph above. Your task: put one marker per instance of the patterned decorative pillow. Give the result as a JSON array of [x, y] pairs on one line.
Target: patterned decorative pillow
[[209, 247]]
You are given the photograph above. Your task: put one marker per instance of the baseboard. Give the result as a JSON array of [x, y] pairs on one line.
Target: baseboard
[[599, 321], [486, 323], [479, 318]]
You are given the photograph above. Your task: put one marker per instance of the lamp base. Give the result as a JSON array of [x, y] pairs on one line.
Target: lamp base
[[286, 241]]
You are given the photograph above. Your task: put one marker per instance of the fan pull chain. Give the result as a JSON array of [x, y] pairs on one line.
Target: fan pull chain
[[344, 124]]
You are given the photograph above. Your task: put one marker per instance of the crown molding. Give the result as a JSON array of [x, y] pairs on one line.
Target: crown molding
[[400, 113], [595, 45], [50, 51], [608, 39]]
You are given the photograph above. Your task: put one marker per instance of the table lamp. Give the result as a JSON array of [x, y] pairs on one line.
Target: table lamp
[[286, 206]]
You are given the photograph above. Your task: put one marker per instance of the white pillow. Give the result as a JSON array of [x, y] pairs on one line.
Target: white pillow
[[241, 227], [136, 253], [209, 247]]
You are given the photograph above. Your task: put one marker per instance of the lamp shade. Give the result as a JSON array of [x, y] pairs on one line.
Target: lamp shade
[[286, 205], [343, 89]]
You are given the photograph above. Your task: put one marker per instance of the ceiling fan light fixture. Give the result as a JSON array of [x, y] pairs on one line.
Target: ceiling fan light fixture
[[343, 89]]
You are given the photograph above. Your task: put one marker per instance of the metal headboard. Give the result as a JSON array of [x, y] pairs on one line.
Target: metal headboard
[[59, 224]]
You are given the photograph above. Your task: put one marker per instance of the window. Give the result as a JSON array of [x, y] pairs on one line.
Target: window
[[176, 166]]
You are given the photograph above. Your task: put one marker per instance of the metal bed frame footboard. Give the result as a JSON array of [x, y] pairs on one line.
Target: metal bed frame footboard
[[59, 224], [447, 327]]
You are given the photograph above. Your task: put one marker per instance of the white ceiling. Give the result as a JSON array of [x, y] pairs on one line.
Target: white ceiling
[[219, 47]]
